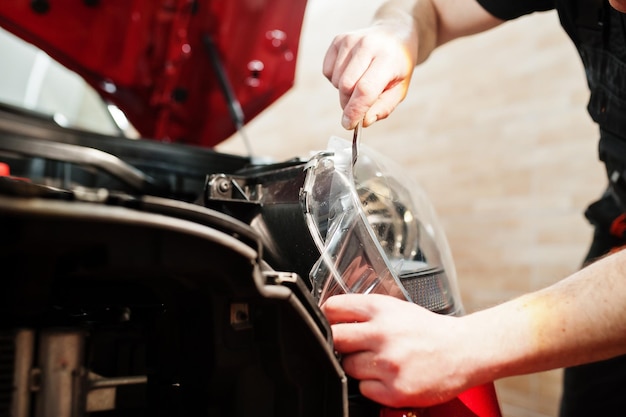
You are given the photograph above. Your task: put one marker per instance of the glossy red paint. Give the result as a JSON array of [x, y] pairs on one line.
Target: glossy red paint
[[150, 57], [480, 401]]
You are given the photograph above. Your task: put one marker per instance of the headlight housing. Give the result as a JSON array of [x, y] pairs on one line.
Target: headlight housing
[[376, 231]]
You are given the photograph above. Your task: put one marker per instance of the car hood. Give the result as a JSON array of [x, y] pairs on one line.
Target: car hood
[[187, 71]]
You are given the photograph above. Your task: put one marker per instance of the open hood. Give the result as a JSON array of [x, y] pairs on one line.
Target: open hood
[[186, 71]]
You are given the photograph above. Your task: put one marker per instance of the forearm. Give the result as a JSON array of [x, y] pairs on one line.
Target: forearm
[[413, 21], [578, 320], [427, 24]]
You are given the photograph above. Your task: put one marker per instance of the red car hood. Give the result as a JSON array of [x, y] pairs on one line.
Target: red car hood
[[160, 60]]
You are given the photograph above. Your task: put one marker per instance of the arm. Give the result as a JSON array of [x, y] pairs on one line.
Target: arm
[[405, 355], [372, 67]]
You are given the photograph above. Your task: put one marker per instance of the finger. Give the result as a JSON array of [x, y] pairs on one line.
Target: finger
[[350, 81], [360, 100], [361, 365], [377, 391], [334, 69], [384, 393], [366, 92], [347, 308], [330, 60], [393, 93], [352, 337], [337, 58], [386, 104]]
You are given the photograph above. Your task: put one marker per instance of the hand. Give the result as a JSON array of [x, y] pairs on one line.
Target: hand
[[403, 354], [372, 69]]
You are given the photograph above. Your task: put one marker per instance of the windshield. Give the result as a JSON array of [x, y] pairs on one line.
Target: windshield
[[32, 81]]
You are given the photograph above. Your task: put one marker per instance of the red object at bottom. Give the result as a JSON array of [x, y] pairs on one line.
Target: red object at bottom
[[479, 401], [4, 170]]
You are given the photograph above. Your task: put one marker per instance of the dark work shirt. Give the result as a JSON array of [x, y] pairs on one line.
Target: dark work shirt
[[511, 9]]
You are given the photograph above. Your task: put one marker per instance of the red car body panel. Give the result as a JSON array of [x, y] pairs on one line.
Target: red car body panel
[[151, 57], [479, 401]]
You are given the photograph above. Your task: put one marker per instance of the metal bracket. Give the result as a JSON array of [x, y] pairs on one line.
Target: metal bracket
[[230, 188]]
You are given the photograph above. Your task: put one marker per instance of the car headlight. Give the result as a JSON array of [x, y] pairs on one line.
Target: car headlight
[[376, 231]]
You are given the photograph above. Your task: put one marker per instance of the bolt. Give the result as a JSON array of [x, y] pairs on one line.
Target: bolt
[[223, 186]]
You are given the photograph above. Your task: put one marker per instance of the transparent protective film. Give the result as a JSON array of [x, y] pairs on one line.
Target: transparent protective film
[[376, 231]]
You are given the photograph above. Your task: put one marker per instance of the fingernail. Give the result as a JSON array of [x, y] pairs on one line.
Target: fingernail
[[346, 122]]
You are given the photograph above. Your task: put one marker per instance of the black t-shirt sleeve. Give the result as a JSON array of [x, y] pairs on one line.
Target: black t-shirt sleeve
[[511, 9]]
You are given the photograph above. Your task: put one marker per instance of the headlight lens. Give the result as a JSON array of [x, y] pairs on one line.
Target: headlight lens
[[376, 232]]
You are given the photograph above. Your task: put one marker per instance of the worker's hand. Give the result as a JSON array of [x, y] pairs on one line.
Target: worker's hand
[[403, 354], [372, 69]]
